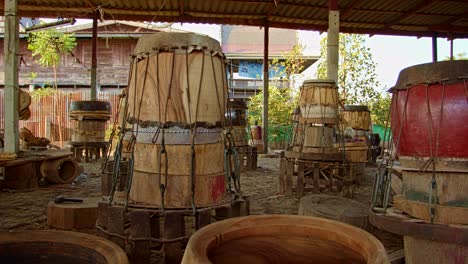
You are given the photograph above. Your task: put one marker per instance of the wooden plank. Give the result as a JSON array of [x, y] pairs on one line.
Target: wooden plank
[[289, 176], [316, 178], [300, 180], [282, 175], [32, 156], [174, 227], [140, 227], [443, 214], [314, 156]]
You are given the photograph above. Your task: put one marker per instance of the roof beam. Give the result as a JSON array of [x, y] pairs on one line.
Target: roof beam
[[350, 7], [410, 12]]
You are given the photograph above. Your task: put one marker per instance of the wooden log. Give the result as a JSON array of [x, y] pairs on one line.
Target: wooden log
[[51, 246], [331, 207], [316, 177], [283, 239], [60, 171], [282, 175], [433, 252], [68, 216]]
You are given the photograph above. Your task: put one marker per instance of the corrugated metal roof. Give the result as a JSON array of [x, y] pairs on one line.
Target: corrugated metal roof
[[390, 17]]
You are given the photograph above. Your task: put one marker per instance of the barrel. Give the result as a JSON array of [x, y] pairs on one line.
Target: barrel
[[431, 95], [318, 101], [283, 239], [429, 111], [90, 120], [314, 139], [47, 246], [236, 118], [59, 171], [176, 104], [356, 116]]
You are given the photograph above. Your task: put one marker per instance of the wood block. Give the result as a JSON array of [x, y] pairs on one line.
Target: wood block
[[174, 227], [203, 219], [67, 216], [22, 176], [140, 227]]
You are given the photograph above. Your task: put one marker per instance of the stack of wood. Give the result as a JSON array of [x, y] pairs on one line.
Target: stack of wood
[[29, 140]]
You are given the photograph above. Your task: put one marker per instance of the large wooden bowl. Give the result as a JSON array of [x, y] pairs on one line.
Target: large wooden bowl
[[283, 239], [47, 246]]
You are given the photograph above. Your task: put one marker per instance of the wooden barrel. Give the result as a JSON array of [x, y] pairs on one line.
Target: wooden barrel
[[314, 139], [90, 120], [58, 247], [356, 116], [89, 131], [108, 174], [356, 151], [176, 104], [429, 113], [318, 101], [283, 239]]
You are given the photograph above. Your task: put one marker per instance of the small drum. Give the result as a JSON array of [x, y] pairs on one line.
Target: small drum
[[357, 117], [318, 101]]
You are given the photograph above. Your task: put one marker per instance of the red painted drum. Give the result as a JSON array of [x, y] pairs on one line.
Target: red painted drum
[[430, 111]]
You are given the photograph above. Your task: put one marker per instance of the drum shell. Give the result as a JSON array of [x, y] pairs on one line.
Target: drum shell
[[318, 101], [356, 117]]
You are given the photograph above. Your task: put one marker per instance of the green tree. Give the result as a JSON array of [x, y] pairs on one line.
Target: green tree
[[357, 76], [48, 47]]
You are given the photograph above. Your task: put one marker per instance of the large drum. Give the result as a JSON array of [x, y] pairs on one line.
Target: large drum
[[174, 116], [318, 101], [430, 113], [429, 125]]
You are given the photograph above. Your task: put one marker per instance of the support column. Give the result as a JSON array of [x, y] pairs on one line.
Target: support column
[[266, 94], [333, 40], [434, 47], [94, 58], [451, 48], [10, 106]]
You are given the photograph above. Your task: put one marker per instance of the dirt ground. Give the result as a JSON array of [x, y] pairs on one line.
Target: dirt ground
[[26, 209]]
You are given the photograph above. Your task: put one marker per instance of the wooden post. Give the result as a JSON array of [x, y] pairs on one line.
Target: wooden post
[[11, 47], [282, 173], [333, 39], [300, 180], [266, 80], [316, 177], [94, 58], [434, 47], [289, 176]]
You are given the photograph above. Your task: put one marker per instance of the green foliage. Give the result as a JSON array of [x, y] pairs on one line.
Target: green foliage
[[280, 107], [292, 62], [380, 109], [459, 56], [357, 76], [42, 92], [48, 45]]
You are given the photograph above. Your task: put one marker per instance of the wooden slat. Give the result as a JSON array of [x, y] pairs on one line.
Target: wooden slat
[[140, 227], [174, 227]]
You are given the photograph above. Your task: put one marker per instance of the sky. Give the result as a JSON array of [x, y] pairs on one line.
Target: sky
[[391, 53]]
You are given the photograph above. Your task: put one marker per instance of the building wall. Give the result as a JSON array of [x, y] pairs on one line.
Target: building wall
[[113, 64]]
